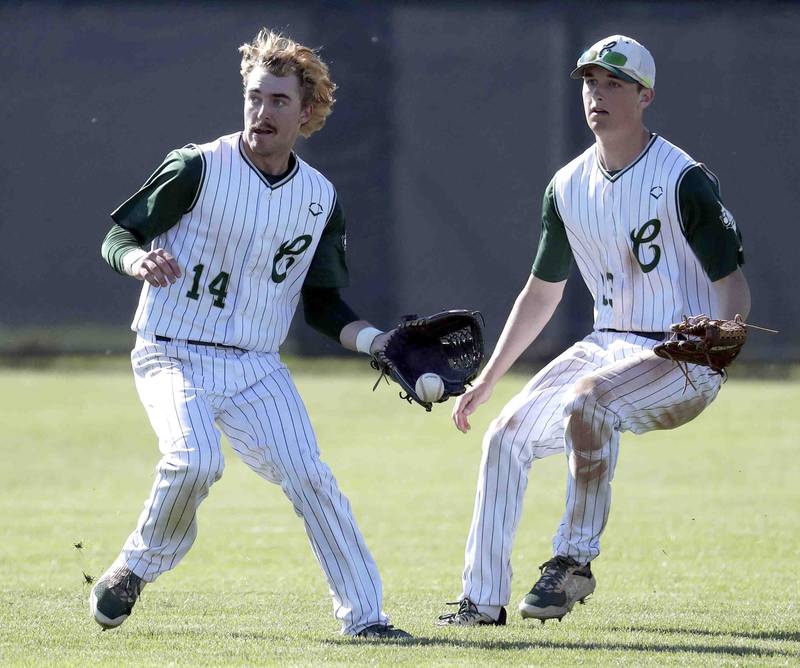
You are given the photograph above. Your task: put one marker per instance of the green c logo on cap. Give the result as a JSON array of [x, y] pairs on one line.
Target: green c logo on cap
[[606, 55], [614, 58]]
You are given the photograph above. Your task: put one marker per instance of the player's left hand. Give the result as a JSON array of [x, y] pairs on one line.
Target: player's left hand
[[448, 344], [379, 343], [704, 341]]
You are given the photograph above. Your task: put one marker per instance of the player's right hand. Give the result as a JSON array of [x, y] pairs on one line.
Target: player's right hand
[[468, 402], [158, 267]]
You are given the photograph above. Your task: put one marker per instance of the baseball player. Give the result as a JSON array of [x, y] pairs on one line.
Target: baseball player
[[653, 241], [236, 231]]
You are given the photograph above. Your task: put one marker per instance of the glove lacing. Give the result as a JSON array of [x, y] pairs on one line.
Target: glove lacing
[[374, 364]]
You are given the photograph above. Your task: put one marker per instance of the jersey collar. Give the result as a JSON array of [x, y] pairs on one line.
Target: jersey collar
[[613, 177], [271, 186]]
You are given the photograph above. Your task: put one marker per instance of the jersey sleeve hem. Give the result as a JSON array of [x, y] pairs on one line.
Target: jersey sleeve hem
[[719, 274], [548, 278]]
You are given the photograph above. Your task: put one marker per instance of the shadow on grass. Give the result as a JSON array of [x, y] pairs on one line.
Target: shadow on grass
[[792, 636], [729, 650], [488, 644]]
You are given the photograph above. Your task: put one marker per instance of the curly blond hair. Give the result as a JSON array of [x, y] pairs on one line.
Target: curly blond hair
[[281, 56]]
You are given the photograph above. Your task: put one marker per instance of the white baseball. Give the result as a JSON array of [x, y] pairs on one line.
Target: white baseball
[[429, 387]]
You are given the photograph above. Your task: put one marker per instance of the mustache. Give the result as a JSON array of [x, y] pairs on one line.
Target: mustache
[[262, 127]]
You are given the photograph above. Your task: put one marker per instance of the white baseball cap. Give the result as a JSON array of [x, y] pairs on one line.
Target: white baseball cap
[[623, 56]]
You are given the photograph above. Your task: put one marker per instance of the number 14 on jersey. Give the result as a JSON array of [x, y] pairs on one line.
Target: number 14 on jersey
[[217, 287]]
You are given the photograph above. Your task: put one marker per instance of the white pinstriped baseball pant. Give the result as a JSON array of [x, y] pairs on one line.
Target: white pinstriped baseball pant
[[250, 396], [578, 405]]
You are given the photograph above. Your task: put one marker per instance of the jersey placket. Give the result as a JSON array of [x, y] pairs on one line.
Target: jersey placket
[[611, 270], [258, 264]]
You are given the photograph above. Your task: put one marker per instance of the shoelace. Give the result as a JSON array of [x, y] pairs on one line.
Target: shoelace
[[554, 571], [126, 585], [465, 607]]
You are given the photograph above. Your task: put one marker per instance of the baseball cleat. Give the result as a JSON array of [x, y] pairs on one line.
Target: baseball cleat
[[113, 597], [383, 632], [563, 583], [469, 615]]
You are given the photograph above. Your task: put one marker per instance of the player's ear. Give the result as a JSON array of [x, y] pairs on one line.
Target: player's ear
[[305, 113], [646, 96]]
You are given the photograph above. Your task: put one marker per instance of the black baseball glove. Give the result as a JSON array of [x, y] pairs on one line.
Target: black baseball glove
[[449, 344]]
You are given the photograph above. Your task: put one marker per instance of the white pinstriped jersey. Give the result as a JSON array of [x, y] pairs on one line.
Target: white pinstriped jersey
[[244, 247], [626, 236]]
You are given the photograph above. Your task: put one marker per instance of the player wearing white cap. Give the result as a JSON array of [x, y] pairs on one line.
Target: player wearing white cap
[[652, 240], [238, 229]]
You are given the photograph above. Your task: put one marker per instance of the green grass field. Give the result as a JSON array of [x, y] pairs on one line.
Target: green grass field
[[699, 567]]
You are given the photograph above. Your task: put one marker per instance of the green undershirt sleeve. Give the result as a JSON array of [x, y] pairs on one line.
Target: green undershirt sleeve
[[326, 311], [329, 267], [118, 241], [708, 226], [554, 255], [165, 197]]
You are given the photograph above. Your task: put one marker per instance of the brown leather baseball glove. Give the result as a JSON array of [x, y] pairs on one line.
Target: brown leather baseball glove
[[702, 340]]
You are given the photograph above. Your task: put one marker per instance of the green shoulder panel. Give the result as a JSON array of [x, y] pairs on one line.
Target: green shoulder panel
[[554, 255], [708, 226], [329, 266], [165, 197]]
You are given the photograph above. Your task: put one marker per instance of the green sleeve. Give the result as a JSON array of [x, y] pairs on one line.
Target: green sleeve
[[329, 267], [708, 226], [326, 311], [166, 196], [118, 241], [554, 256]]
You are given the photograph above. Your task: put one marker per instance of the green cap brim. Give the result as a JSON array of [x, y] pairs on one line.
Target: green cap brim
[[577, 73]]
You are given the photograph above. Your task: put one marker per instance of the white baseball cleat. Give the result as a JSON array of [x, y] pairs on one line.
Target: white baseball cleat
[[469, 615]]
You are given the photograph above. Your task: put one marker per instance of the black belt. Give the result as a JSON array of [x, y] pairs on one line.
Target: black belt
[[653, 336], [166, 339]]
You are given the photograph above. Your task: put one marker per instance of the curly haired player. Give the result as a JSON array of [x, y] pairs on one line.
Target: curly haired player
[[652, 240], [238, 229]]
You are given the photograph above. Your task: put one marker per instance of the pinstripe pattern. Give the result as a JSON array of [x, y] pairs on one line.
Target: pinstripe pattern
[[237, 226], [601, 212], [626, 235], [579, 403], [190, 393], [264, 238]]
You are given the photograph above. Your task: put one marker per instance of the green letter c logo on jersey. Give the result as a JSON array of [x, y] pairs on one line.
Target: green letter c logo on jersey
[[645, 234], [290, 249]]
